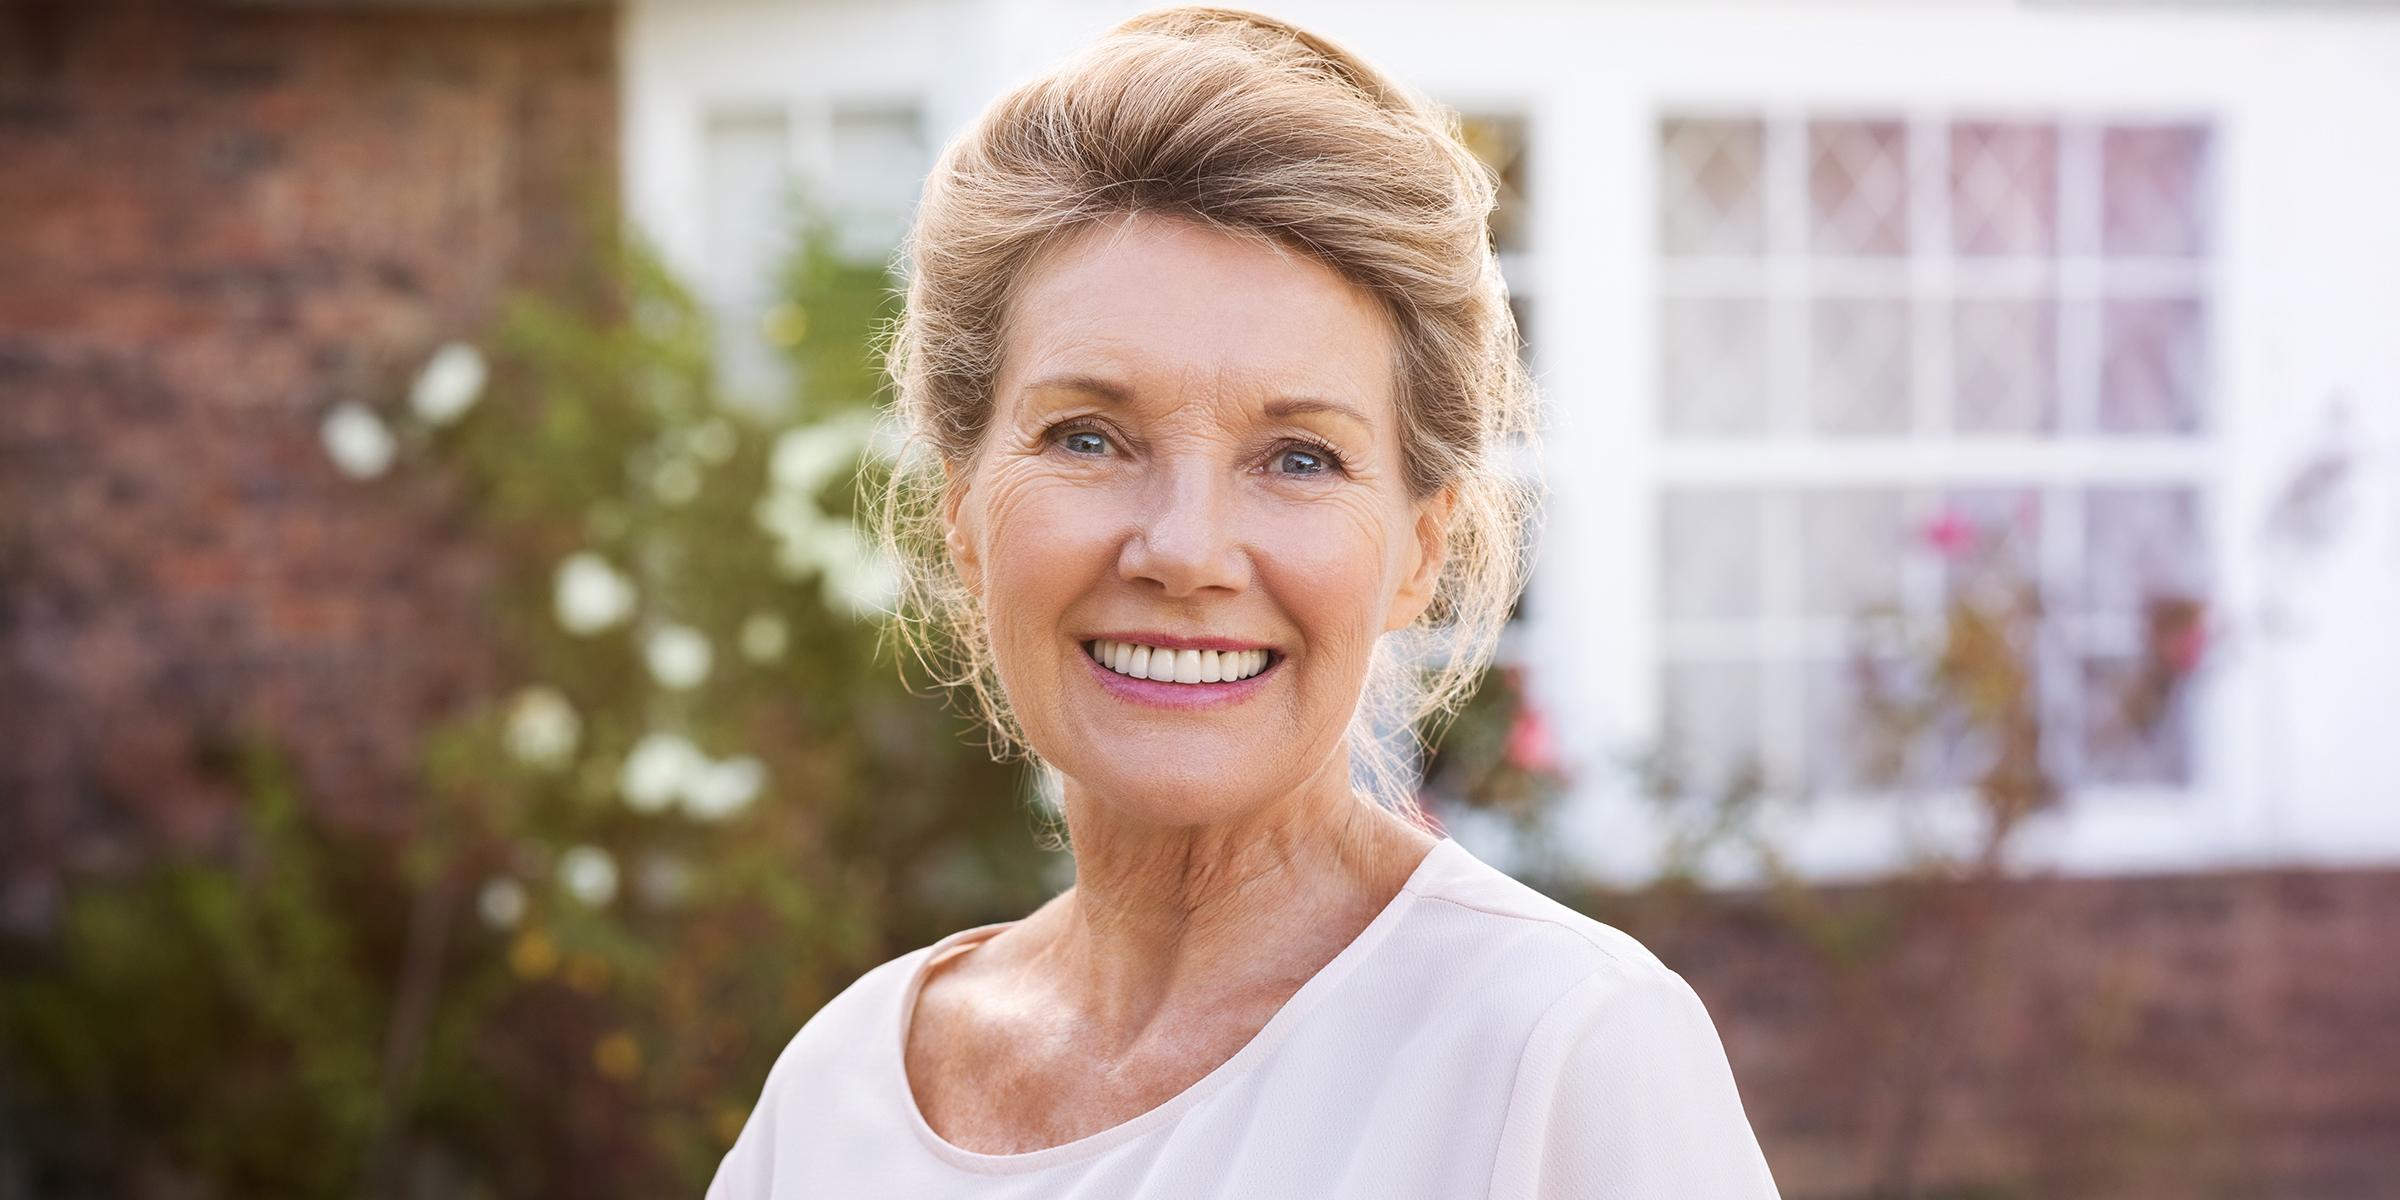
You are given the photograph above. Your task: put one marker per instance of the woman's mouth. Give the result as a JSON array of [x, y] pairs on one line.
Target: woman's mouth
[[1164, 665]]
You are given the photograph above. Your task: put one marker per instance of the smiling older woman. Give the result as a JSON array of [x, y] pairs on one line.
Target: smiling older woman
[[1217, 371]]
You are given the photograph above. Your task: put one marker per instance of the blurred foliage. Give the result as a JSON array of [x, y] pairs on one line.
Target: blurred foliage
[[1492, 774], [1949, 707], [706, 806], [216, 1010], [1496, 754]]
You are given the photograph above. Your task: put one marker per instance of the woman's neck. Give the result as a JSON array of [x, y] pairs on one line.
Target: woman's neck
[[1165, 917], [1177, 945]]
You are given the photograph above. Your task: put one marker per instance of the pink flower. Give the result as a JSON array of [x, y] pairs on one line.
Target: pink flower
[[2178, 633], [1531, 747], [1951, 534]]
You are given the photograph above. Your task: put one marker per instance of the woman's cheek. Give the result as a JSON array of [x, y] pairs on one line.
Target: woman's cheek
[[1048, 547], [1330, 565]]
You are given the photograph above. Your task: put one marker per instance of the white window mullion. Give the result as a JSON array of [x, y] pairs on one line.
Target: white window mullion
[[1783, 731], [2059, 661], [2078, 278], [1788, 275], [1929, 274]]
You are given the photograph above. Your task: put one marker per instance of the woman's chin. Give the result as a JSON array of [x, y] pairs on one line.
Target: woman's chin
[[1156, 782]]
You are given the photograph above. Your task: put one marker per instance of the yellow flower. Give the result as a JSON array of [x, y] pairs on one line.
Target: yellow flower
[[618, 1056], [532, 956]]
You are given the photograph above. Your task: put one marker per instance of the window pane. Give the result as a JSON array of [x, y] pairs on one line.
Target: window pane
[[1851, 542], [1861, 736], [2151, 364], [1712, 722], [1859, 380], [2136, 725], [746, 179], [2145, 574], [1989, 540], [1858, 188], [879, 161], [2152, 182], [1716, 367], [1711, 196], [2003, 189], [2005, 365], [2140, 545], [1709, 547]]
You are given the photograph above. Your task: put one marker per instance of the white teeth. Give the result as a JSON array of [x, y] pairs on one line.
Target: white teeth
[[1178, 666]]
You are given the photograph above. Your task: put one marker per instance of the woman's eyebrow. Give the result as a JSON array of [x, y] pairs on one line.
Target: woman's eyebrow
[[1090, 385], [1309, 406]]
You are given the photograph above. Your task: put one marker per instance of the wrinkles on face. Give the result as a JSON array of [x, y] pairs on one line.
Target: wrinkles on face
[[1194, 437]]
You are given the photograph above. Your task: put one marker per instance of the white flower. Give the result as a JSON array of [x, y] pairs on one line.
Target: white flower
[[450, 384], [660, 771], [591, 595], [676, 482], [805, 460], [808, 458], [862, 577], [726, 788], [857, 575], [792, 520], [679, 656], [713, 441], [588, 874], [502, 903], [764, 637], [357, 440], [542, 728], [666, 768]]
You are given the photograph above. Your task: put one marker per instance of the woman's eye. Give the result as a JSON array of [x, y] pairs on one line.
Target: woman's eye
[[1083, 441], [1301, 461]]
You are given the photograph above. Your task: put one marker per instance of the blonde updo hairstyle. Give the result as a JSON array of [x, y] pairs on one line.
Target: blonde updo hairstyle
[[1248, 125]]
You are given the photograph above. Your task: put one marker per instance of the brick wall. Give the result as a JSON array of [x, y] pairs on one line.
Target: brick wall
[[2177, 1038], [215, 221]]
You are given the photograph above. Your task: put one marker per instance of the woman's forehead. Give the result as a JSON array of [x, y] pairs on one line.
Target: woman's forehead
[[1148, 307]]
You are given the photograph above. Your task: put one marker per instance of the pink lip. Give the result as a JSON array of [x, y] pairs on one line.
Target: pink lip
[[1150, 693]]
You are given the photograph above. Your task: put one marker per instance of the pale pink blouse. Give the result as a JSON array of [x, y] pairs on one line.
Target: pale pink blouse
[[1477, 1040]]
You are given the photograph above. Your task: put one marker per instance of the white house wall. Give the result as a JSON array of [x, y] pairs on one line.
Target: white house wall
[[2299, 725]]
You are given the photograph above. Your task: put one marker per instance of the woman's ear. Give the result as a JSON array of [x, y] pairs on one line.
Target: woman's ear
[[960, 522], [1432, 548]]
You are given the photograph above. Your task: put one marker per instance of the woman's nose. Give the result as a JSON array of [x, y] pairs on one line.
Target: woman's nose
[[1186, 538]]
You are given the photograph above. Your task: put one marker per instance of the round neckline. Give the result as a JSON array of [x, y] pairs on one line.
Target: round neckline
[[1255, 1051]]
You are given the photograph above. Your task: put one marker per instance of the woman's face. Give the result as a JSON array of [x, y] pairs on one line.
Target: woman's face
[[1194, 459]]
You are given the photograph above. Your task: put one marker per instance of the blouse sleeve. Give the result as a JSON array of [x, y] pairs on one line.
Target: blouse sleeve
[[1624, 1091]]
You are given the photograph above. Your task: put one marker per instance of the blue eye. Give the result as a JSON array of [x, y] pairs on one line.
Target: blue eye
[[1083, 441], [1297, 461]]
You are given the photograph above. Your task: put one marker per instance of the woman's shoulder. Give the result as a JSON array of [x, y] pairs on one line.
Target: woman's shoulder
[[857, 1021], [1520, 927], [1618, 1083], [1474, 959], [841, 1073], [1481, 942], [865, 1021]]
